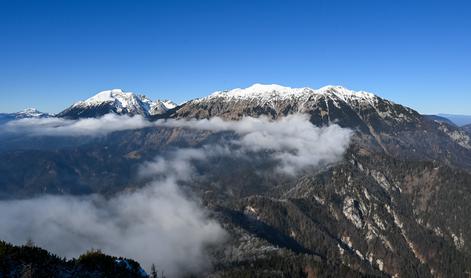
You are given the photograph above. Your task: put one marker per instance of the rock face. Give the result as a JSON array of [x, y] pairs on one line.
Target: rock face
[[118, 102], [372, 213]]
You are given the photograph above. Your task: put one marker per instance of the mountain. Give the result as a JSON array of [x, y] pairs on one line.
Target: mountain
[[467, 128], [440, 119], [118, 102], [26, 113], [378, 123], [459, 120], [395, 206]]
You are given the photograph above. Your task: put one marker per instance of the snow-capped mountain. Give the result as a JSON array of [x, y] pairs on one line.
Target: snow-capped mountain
[[378, 123], [273, 92], [331, 104], [375, 211], [26, 113], [31, 113], [116, 101]]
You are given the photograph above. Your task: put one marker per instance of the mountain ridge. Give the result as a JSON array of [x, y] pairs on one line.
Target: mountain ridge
[[116, 101]]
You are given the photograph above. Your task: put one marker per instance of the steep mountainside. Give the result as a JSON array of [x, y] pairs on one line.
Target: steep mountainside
[[379, 123], [372, 213], [118, 102]]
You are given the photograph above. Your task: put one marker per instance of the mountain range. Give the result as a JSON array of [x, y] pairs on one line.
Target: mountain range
[[459, 120], [396, 205]]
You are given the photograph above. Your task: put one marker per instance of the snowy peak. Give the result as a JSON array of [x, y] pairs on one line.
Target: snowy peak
[[31, 113], [345, 93], [26, 113], [259, 91], [119, 102], [116, 97], [109, 95], [161, 106], [274, 91], [329, 104]]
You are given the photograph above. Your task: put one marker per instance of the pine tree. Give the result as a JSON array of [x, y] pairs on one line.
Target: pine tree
[[153, 272], [29, 243]]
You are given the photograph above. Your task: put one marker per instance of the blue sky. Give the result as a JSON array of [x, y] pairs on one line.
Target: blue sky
[[53, 53]]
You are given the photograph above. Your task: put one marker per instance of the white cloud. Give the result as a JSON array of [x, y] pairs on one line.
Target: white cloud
[[159, 224], [81, 127], [293, 140]]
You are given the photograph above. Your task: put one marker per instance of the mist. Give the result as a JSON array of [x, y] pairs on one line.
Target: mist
[[82, 127], [160, 224], [292, 140], [155, 225]]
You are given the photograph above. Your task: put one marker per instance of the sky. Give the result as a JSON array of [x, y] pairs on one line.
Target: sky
[[54, 53]]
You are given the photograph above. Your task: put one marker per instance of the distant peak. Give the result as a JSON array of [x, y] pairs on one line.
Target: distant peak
[[30, 110], [122, 102], [30, 113]]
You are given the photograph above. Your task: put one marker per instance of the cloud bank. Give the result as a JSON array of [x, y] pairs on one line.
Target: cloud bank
[[157, 224], [292, 140], [81, 127], [160, 224]]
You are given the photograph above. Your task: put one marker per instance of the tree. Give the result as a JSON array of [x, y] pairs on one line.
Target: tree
[[153, 272], [29, 243]]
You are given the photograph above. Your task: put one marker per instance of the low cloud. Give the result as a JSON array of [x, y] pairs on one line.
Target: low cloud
[[81, 127], [160, 224], [157, 224], [292, 140]]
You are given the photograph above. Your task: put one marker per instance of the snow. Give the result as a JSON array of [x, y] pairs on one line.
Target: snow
[[30, 113], [122, 99], [169, 104], [274, 91], [127, 100]]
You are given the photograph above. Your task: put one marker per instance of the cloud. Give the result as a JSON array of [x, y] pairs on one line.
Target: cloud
[[157, 224], [81, 127], [179, 163], [292, 140], [160, 224]]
